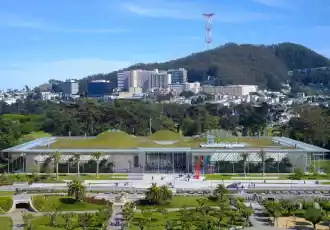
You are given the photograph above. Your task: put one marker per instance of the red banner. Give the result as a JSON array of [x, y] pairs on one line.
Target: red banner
[[197, 171]]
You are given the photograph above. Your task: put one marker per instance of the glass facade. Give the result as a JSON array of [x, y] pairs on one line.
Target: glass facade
[[166, 162], [99, 89]]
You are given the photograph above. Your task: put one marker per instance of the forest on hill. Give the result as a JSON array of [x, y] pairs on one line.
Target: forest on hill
[[266, 66]]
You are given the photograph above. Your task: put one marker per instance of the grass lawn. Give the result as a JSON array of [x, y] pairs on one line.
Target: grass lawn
[[259, 177], [5, 204], [43, 223], [6, 223], [50, 203], [180, 202], [6, 193], [93, 177], [324, 164]]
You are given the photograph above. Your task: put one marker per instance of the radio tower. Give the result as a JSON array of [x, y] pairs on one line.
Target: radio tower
[[208, 30]]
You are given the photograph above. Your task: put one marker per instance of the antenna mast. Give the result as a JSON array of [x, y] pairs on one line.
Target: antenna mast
[[208, 29]]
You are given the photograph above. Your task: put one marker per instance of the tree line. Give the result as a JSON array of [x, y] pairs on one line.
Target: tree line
[[90, 117]]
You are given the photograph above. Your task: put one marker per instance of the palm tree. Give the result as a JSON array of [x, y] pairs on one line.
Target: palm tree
[[97, 156], [76, 157], [165, 193], [244, 157], [262, 155], [56, 158], [152, 194], [76, 190], [70, 161]]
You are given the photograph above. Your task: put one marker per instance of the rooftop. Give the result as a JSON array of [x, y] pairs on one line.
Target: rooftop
[[117, 141]]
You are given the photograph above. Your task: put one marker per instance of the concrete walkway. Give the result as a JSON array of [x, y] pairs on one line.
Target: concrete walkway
[[259, 222], [116, 216], [18, 222]]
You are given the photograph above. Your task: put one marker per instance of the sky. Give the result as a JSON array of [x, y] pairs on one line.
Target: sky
[[64, 39]]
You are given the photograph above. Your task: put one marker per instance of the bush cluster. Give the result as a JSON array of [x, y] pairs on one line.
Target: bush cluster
[[93, 200]]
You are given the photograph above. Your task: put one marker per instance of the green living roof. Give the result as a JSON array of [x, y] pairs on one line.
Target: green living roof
[[160, 139]]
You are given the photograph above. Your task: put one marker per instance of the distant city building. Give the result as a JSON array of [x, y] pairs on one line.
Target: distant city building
[[69, 87], [230, 90], [99, 89], [145, 79], [188, 86], [178, 76]]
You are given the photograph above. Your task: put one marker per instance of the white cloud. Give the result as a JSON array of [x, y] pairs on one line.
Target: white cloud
[[159, 12], [191, 11], [285, 4], [36, 73], [20, 22]]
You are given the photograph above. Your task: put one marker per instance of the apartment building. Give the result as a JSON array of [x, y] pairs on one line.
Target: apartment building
[[178, 76], [145, 79], [230, 90]]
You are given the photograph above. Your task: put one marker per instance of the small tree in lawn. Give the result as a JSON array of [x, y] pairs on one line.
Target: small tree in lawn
[[56, 158], [85, 220], [27, 220], [68, 219], [76, 190], [128, 212], [314, 216], [97, 156]]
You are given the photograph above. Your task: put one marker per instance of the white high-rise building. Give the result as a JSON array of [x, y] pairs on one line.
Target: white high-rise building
[[145, 79]]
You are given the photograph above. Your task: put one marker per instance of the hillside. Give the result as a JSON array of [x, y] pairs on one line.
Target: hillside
[[231, 63]]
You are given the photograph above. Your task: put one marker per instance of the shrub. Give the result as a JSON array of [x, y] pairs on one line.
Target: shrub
[[6, 203], [93, 200], [298, 174]]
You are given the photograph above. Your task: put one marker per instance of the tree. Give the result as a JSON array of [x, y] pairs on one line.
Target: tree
[[262, 155], [56, 157], [85, 219], [220, 191], [274, 209], [128, 212], [52, 216], [68, 219], [76, 157], [97, 156], [27, 220], [244, 157], [158, 195], [313, 215], [76, 190]]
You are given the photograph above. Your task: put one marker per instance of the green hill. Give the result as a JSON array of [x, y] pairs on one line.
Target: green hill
[[231, 63]]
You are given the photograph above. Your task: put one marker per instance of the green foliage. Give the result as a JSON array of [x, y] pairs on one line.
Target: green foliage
[[313, 215], [158, 195], [76, 189], [298, 174], [6, 204]]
